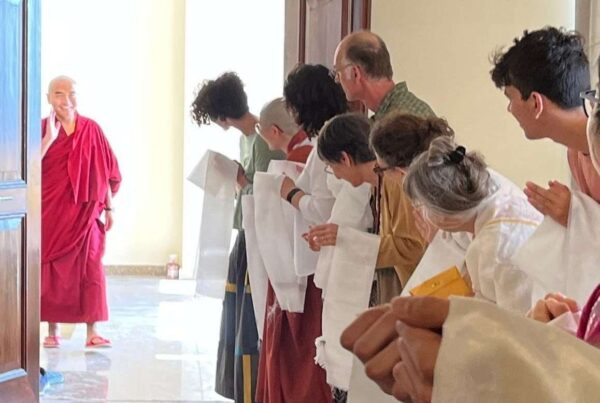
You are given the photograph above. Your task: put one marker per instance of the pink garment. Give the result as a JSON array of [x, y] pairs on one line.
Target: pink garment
[[589, 324], [584, 173], [77, 172]]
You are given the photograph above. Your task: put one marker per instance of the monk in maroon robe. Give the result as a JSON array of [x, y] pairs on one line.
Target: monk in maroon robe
[[287, 372], [80, 174]]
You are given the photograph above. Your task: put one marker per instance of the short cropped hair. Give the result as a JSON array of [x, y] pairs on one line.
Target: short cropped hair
[[550, 61], [347, 133], [220, 99]]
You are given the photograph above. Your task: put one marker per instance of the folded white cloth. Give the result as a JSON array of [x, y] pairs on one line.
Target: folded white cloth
[[274, 234], [256, 268], [491, 355], [352, 210], [563, 259], [216, 175], [348, 289]]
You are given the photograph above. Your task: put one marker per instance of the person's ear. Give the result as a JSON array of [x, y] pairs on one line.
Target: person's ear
[[538, 103], [346, 159]]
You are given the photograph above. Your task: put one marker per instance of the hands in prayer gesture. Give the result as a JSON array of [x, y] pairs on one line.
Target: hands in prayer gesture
[[554, 201]]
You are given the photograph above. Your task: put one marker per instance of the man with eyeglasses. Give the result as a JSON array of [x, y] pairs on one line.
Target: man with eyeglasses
[[363, 67]]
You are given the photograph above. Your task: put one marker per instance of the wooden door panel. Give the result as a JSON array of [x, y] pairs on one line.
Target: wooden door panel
[[20, 200], [11, 277], [11, 55], [323, 20]]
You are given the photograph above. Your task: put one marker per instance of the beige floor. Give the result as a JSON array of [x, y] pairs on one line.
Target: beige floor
[[164, 347]]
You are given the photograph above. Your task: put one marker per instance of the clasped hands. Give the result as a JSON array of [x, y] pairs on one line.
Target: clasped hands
[[399, 343]]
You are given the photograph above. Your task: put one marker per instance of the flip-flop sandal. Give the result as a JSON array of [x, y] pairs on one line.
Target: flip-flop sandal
[[52, 342], [98, 342]]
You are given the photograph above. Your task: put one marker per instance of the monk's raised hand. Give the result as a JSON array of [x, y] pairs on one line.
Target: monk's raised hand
[[323, 234], [554, 201], [52, 126]]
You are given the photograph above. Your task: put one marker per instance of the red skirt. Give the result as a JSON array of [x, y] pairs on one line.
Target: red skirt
[[287, 370], [74, 285]]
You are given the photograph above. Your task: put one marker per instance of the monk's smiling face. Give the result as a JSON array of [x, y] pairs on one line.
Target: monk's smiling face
[[63, 98]]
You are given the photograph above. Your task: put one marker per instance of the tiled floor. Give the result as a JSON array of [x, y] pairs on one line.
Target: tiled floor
[[164, 347]]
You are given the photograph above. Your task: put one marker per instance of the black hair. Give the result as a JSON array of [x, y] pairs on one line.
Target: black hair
[[550, 61], [347, 133], [220, 99], [313, 96]]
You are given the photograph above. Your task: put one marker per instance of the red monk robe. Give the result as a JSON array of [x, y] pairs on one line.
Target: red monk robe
[[287, 372], [77, 171]]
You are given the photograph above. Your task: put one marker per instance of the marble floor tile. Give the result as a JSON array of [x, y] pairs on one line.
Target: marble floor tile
[[164, 347]]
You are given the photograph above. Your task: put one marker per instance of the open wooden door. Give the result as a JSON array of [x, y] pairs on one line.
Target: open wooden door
[[313, 28], [20, 199]]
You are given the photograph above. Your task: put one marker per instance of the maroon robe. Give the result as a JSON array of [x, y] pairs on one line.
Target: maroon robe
[[77, 172], [287, 372]]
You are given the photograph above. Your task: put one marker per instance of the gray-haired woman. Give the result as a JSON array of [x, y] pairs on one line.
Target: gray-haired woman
[[453, 190]]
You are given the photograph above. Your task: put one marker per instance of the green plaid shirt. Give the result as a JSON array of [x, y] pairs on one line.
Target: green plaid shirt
[[401, 99]]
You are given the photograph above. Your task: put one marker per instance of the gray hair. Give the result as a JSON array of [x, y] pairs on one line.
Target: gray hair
[[276, 113], [447, 179], [59, 78]]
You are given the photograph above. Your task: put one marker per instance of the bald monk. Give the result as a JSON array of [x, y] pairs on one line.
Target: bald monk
[[80, 174]]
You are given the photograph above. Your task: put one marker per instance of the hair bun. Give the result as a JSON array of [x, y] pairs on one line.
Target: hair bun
[[457, 155]]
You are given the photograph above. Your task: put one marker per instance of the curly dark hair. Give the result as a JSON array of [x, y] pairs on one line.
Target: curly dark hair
[[399, 138], [347, 133], [313, 96], [220, 99], [550, 61]]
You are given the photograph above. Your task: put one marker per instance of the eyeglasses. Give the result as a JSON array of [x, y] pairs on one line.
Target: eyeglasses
[[589, 101], [335, 71], [380, 170]]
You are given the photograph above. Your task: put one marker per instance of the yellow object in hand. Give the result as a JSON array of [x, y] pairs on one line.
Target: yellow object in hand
[[447, 283]]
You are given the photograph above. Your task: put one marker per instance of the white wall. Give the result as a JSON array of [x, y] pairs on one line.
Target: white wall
[[248, 41], [127, 57], [442, 50]]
